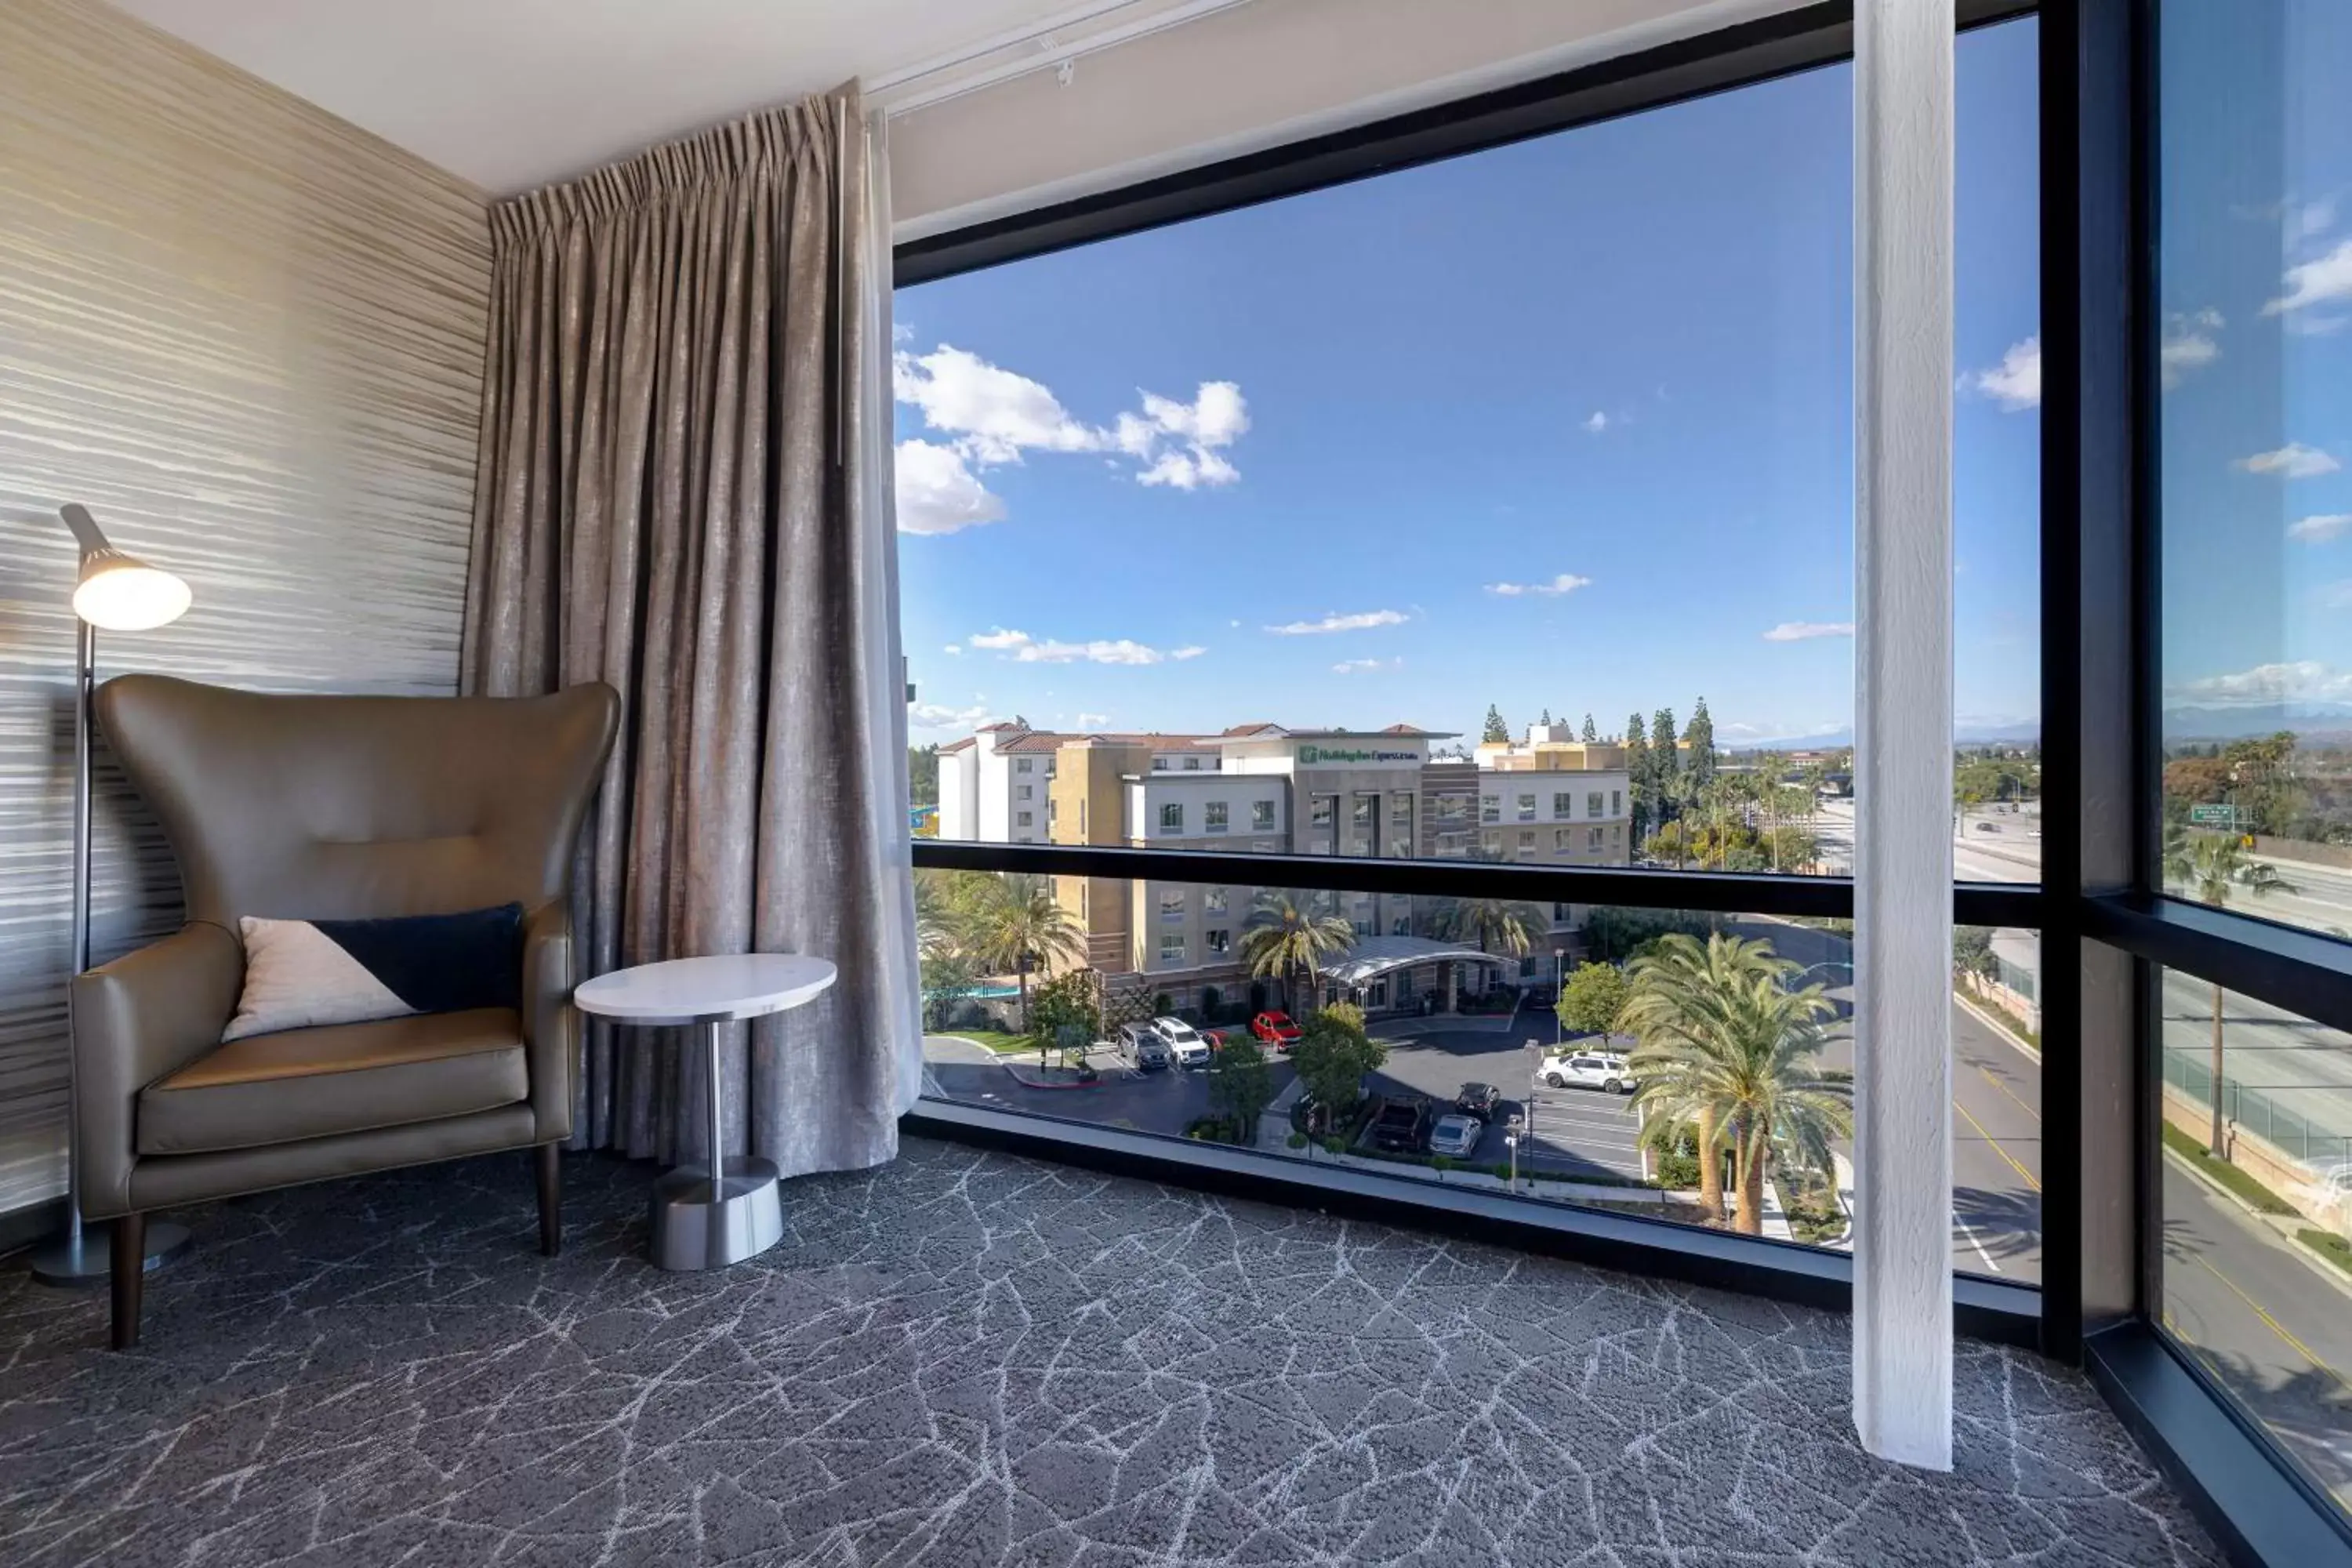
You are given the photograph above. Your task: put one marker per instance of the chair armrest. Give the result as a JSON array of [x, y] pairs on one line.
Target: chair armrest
[[146, 1015], [550, 1025]]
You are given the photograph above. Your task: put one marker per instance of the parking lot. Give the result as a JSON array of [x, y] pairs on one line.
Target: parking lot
[[1570, 1132]]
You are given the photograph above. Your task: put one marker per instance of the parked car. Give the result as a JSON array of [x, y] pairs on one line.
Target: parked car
[[1479, 1100], [1276, 1029], [1140, 1047], [1184, 1043], [1401, 1126], [1986, 828], [1456, 1136], [1586, 1069]]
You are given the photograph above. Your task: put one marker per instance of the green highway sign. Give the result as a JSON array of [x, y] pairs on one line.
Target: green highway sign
[[2213, 816]]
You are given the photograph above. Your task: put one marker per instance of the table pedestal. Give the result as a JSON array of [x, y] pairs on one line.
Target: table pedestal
[[702, 1224]]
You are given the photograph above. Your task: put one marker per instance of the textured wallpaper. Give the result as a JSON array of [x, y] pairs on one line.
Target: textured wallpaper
[[249, 338]]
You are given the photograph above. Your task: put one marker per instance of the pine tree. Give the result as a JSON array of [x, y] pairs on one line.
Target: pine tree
[[1546, 717], [1592, 735], [1665, 765], [1701, 736], [1495, 729], [1638, 775]]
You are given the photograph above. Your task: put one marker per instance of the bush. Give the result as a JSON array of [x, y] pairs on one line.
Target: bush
[[1297, 1140], [1440, 1163], [1162, 1003], [1678, 1166], [1335, 1145]]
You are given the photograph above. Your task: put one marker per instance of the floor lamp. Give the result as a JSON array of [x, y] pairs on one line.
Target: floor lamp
[[116, 593]]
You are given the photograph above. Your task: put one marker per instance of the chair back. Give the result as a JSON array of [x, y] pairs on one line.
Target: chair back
[[325, 808]]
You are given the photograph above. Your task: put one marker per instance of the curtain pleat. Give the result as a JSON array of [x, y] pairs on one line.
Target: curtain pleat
[[682, 494]]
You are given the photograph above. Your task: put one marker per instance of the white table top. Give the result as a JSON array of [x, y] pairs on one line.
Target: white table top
[[705, 989]]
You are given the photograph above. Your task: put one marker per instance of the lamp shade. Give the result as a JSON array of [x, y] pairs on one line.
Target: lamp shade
[[120, 592]]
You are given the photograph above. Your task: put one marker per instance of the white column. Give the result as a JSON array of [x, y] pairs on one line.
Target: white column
[[1903, 728]]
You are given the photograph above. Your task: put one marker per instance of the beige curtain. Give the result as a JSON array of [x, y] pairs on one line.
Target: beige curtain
[[684, 490]]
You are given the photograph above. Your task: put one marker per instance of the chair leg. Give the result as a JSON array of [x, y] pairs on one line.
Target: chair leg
[[126, 1272], [550, 1199]]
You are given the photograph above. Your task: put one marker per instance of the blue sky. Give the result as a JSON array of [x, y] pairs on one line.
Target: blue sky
[[1563, 425], [2256, 281]]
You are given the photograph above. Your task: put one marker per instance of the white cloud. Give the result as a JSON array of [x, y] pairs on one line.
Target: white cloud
[[2319, 529], [2302, 680], [938, 494], [1093, 721], [1597, 422], [2293, 461], [994, 413], [1566, 583], [955, 647], [1217, 415], [2315, 282], [1187, 470], [2188, 344], [1361, 666], [1362, 620], [1805, 631], [2016, 381], [1026, 649], [1180, 442], [936, 715]]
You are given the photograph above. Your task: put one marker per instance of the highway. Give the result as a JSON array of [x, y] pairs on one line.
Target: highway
[[2302, 1067]]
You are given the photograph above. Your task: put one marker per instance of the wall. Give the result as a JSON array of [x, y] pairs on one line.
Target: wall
[[1239, 80], [249, 337]]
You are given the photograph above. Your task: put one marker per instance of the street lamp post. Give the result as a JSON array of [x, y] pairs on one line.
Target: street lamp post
[[1558, 994], [1511, 1141]]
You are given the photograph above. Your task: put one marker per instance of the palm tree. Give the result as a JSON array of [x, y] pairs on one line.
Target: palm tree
[[1016, 921], [1492, 923], [1728, 1048], [1286, 935], [2211, 867]]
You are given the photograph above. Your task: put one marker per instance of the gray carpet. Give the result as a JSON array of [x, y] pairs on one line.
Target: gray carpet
[[970, 1359]]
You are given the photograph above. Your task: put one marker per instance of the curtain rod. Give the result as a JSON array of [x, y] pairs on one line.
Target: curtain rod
[[1051, 54]]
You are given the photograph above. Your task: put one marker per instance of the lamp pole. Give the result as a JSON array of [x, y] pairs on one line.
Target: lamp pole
[[120, 592]]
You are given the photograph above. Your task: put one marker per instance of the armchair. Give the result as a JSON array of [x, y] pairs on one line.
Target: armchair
[[330, 809]]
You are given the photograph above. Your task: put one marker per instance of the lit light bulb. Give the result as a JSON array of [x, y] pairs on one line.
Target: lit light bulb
[[124, 594]]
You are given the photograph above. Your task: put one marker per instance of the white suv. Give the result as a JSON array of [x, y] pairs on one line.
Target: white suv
[[1586, 1069], [1183, 1042]]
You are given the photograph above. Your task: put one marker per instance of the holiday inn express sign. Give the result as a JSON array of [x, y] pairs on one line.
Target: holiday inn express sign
[[1326, 756]]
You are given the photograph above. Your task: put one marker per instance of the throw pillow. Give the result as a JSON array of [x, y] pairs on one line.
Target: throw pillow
[[302, 974]]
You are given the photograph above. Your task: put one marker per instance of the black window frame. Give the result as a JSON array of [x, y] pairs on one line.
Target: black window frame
[[2102, 918]]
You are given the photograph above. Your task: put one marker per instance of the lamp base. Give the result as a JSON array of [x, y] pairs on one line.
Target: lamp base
[[84, 1263]]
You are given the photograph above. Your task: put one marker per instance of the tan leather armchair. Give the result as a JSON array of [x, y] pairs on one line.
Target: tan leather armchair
[[331, 808]]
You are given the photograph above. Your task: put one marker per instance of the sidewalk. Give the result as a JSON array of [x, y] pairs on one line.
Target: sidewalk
[[2283, 1227]]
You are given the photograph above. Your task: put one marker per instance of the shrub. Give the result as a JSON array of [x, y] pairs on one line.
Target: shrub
[[1162, 1003], [1335, 1145], [1440, 1163], [1297, 1140]]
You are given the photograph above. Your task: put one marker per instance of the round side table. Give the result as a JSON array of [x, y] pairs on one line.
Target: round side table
[[705, 1219]]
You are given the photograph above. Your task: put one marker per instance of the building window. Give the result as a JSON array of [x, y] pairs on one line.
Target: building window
[[1171, 907], [1052, 809], [1490, 808], [1400, 815], [1492, 843], [1324, 812], [1564, 805], [1022, 818], [1526, 846], [1592, 838], [1562, 913], [1401, 925], [1159, 765], [1452, 808], [1026, 791], [1191, 765], [1213, 817], [1527, 808], [1020, 764], [1560, 837], [1592, 803], [1260, 816], [1172, 817], [1363, 928], [1217, 942], [1213, 901], [1360, 814], [1082, 816], [1172, 947], [1616, 803]]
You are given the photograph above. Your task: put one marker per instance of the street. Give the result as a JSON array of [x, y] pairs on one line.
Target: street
[[2273, 1331], [2294, 1065]]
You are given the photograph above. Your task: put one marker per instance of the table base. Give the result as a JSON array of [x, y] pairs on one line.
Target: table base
[[695, 1227]]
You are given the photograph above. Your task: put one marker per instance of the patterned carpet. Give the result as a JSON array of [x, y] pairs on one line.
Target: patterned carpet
[[970, 1359]]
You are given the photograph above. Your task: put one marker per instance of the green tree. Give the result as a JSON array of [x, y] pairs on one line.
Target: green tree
[[1332, 1056], [1241, 1085], [1701, 736], [2213, 867], [1593, 996], [1590, 735], [1665, 765], [1496, 925], [1497, 731], [1640, 778], [1287, 936], [948, 978], [1546, 717], [1016, 924], [1972, 950], [1731, 1052], [923, 775], [1066, 1012]]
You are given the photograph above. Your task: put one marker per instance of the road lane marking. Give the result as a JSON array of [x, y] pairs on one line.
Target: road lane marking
[[2274, 1326], [1986, 1073], [1997, 1149], [1974, 1242]]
